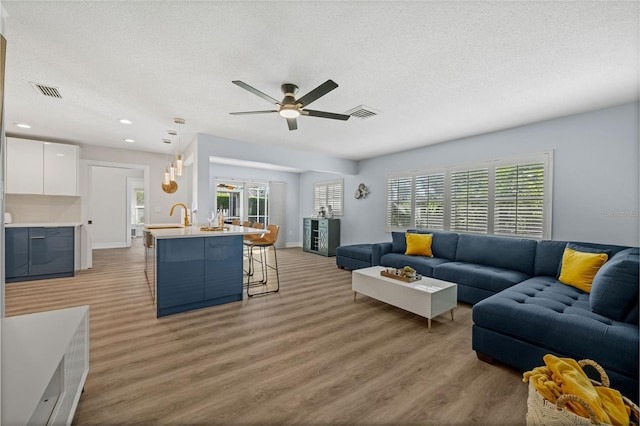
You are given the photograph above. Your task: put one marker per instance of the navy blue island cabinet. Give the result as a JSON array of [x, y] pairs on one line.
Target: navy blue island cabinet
[[198, 272]]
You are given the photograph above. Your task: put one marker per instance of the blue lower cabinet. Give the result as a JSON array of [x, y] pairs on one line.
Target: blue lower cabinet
[[17, 252], [194, 273], [180, 264], [50, 251], [223, 267], [39, 253]]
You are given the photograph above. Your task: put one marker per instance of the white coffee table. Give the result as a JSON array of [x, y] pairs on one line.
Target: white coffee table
[[427, 297]]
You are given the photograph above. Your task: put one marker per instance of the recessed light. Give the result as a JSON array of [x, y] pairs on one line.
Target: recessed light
[[60, 155], [129, 140], [23, 125], [124, 121], [166, 140]]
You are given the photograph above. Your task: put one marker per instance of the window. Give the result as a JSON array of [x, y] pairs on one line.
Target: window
[[519, 200], [327, 194], [139, 207], [500, 197], [470, 201], [258, 202], [429, 210]]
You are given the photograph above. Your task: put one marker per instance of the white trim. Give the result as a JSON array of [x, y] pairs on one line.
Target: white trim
[[100, 246]]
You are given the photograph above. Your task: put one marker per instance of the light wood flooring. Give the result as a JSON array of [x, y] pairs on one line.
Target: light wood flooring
[[306, 355]]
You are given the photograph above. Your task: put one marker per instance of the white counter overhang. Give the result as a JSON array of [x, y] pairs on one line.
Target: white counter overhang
[[194, 231]]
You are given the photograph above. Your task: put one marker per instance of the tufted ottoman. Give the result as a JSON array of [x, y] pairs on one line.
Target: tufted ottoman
[[355, 256], [521, 324]]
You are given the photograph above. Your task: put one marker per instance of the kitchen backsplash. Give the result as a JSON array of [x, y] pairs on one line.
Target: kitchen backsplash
[[42, 208]]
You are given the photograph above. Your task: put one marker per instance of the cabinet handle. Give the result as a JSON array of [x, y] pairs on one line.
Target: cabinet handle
[[37, 238]]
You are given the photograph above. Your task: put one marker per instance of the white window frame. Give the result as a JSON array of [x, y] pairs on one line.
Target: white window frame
[[326, 185], [545, 157]]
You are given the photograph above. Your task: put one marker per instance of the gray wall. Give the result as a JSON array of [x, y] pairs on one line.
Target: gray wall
[[596, 179]]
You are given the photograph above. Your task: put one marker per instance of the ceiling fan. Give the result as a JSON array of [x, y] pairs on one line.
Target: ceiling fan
[[290, 107]]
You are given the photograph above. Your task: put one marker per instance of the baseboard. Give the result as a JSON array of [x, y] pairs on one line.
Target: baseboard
[[99, 246], [289, 245]]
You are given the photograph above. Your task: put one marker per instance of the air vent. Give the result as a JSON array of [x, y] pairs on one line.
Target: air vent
[[362, 112], [45, 90]]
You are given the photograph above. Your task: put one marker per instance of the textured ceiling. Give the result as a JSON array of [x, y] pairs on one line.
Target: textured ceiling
[[435, 71]]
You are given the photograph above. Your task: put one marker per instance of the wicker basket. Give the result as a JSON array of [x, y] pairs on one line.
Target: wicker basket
[[542, 412]]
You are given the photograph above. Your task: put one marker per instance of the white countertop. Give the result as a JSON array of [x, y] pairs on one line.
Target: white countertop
[[41, 224], [194, 231]]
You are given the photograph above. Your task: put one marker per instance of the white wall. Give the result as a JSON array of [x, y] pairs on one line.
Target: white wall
[[596, 179], [159, 203]]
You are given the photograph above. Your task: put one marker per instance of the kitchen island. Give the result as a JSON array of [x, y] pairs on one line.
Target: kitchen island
[[188, 268]]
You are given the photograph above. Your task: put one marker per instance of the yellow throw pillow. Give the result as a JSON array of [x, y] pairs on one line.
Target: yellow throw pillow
[[419, 244], [579, 268]]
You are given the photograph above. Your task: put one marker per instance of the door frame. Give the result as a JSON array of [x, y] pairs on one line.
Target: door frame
[[85, 204]]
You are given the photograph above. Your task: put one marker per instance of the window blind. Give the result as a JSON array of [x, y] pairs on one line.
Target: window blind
[[399, 192], [327, 194], [429, 201], [470, 201], [519, 200]]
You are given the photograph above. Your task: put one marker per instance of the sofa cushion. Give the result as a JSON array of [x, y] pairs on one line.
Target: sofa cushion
[[481, 276], [549, 255], [579, 268], [443, 244], [355, 251], [419, 244], [584, 249], [424, 265], [399, 242], [547, 313], [614, 292], [517, 254]]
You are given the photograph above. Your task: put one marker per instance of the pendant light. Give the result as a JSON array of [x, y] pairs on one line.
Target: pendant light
[[179, 159], [167, 177]]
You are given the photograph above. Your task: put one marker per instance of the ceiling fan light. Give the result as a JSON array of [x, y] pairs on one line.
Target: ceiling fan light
[[289, 112]]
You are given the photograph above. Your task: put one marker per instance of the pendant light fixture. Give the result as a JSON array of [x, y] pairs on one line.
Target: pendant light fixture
[[179, 159]]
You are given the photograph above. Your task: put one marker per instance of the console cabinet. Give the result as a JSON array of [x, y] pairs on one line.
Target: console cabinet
[[321, 236], [39, 253]]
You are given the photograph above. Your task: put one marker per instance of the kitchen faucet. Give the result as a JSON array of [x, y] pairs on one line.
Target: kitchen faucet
[[186, 212]]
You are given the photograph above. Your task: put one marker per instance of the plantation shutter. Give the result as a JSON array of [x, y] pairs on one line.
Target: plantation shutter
[[519, 200], [470, 201], [399, 202], [329, 194], [429, 201]]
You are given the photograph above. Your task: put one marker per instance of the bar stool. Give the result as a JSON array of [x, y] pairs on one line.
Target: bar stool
[[262, 243], [252, 237]]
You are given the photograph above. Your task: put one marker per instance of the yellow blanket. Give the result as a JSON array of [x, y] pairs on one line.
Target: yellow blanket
[[565, 376]]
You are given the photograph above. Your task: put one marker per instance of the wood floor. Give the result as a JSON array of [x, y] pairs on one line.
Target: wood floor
[[306, 355]]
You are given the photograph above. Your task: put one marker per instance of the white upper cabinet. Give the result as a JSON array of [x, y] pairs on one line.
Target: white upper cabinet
[[36, 167], [60, 169], [24, 166]]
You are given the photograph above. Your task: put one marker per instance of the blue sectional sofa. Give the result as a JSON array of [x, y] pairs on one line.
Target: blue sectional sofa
[[522, 312]]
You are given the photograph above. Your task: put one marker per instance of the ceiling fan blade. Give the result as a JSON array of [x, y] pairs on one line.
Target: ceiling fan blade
[[253, 112], [319, 91], [292, 123], [256, 92], [324, 114]]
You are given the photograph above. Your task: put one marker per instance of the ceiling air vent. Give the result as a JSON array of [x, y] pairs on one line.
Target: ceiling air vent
[[45, 90], [362, 112]]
